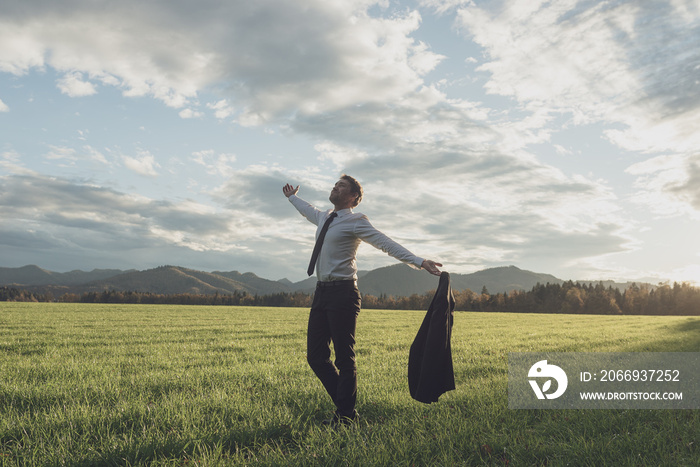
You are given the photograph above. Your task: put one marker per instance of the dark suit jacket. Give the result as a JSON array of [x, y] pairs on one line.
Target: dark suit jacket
[[430, 372]]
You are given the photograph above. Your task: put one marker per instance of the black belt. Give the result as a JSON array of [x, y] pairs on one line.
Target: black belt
[[335, 283]]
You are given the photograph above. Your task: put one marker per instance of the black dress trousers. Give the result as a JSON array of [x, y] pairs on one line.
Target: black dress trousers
[[333, 318]]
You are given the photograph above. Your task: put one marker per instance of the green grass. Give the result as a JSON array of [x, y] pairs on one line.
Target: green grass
[[177, 385]]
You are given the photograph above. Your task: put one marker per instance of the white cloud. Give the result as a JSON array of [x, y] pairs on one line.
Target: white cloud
[[618, 62], [442, 6], [108, 220], [222, 109], [143, 164], [61, 153], [19, 51], [71, 156], [216, 164], [137, 47], [11, 162], [669, 185], [95, 155], [555, 55], [189, 113], [323, 55], [3, 107], [630, 66], [72, 84], [340, 156]]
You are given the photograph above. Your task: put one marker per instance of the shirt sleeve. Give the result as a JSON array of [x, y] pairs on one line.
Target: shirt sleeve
[[367, 233], [307, 210]]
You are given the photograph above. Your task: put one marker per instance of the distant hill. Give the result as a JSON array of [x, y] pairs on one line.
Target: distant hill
[[257, 284], [306, 286], [34, 275], [502, 279], [397, 280], [170, 280]]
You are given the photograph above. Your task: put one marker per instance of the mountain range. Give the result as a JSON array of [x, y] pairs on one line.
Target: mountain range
[[397, 280]]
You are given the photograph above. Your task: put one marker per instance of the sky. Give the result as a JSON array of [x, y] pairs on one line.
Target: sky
[[557, 136]]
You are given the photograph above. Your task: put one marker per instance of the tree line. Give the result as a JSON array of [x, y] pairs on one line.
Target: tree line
[[294, 299], [569, 297]]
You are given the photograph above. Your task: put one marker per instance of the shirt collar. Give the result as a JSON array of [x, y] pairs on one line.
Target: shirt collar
[[344, 212]]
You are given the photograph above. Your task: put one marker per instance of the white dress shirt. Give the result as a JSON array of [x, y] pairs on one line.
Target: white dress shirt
[[337, 259]]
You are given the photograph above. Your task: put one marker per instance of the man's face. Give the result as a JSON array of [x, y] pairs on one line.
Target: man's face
[[342, 195]]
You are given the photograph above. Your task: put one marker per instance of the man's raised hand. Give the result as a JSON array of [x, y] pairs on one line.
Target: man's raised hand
[[289, 190]]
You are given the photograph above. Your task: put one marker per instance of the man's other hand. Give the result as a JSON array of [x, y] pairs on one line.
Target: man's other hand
[[431, 267], [289, 190]]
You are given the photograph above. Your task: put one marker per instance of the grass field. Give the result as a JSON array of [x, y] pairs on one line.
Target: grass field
[[177, 385]]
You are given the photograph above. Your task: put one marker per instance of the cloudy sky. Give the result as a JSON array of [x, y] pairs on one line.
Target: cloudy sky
[[557, 136]]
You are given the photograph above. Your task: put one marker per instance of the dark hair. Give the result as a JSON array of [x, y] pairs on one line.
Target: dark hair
[[356, 187]]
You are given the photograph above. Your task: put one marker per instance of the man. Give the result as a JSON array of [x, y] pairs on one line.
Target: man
[[337, 300]]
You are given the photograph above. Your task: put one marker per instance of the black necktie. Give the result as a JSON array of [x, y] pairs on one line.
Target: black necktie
[[319, 242]]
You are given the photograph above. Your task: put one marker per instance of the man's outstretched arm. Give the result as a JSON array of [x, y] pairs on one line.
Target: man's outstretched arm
[[366, 231], [305, 209]]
